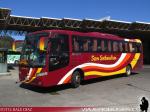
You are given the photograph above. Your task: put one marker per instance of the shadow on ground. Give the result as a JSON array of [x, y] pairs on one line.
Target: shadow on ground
[[55, 89], [100, 79], [44, 90]]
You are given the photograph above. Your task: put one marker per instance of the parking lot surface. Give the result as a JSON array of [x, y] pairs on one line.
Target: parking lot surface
[[103, 92]]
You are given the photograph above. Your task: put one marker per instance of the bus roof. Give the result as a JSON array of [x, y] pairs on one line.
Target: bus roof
[[93, 34]]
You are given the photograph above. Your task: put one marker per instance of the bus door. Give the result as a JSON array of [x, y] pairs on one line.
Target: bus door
[[59, 52]]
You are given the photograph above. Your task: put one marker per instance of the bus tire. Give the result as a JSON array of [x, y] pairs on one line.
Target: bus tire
[[76, 79], [128, 70]]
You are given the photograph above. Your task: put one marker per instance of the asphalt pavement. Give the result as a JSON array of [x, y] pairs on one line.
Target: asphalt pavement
[[118, 91]]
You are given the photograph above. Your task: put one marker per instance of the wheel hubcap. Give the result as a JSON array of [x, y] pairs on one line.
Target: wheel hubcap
[[128, 71], [78, 79]]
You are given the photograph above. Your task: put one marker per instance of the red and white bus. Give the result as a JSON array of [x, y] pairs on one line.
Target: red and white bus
[[55, 57]]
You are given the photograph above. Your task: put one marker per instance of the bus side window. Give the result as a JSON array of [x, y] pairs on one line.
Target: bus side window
[[80, 41], [94, 47], [99, 46], [109, 46], [126, 47], [115, 46], [64, 43], [75, 44], [85, 45], [136, 47], [104, 45], [139, 49], [132, 47], [90, 44], [121, 47]]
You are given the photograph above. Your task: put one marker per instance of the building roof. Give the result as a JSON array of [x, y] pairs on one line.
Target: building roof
[[23, 24]]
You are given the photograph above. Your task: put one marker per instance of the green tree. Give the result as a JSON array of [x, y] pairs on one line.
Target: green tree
[[6, 42]]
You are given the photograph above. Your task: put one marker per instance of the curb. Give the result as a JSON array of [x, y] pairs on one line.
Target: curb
[[5, 74]]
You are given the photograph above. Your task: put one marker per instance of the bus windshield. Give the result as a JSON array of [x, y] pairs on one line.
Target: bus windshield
[[34, 50]]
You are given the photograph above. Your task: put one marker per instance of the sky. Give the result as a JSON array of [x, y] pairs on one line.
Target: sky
[[124, 10]]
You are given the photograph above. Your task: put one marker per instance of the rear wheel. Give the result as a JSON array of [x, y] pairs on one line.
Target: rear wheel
[[76, 79], [128, 70]]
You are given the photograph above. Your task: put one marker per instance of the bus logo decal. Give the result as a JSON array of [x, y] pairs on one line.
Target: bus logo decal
[[115, 68]]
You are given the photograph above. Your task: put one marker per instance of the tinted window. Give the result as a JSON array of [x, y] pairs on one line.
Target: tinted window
[[135, 47], [121, 47], [115, 46], [99, 45], [126, 47], [59, 44], [93, 44], [139, 47], [83, 44], [109, 46], [104, 44]]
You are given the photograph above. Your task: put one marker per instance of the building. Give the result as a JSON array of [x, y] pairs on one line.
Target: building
[[20, 25]]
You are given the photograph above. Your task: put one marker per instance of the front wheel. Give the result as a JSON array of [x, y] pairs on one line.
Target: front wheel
[[76, 79], [128, 70]]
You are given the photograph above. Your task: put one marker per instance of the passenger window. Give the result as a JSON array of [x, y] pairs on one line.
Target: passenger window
[[99, 45], [139, 48], [109, 46], [75, 45], [94, 47], [85, 45], [121, 47], [126, 47], [132, 47], [104, 45], [90, 45], [135, 47], [115, 46], [81, 44], [59, 44]]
